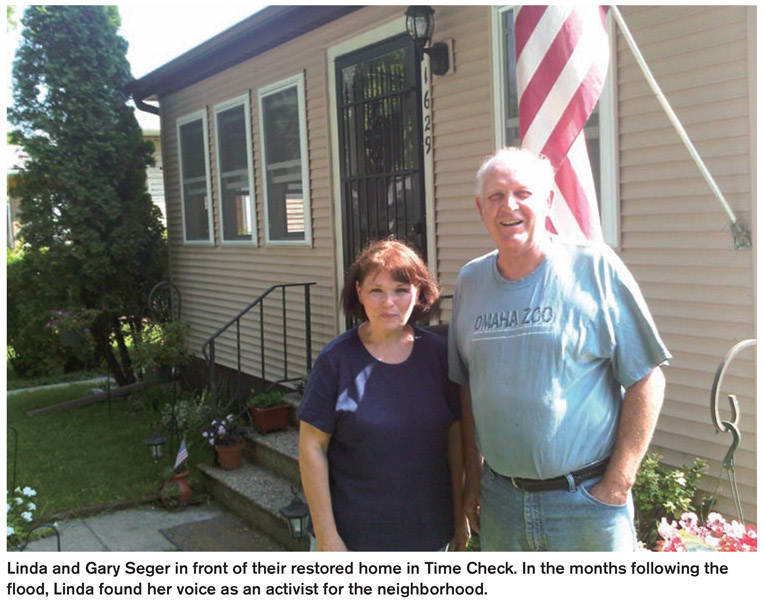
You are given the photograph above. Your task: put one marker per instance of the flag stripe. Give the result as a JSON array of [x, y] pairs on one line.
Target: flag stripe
[[543, 80], [525, 24], [572, 119]]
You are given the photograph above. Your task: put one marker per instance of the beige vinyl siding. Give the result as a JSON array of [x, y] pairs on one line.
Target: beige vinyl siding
[[216, 282], [675, 237], [462, 113]]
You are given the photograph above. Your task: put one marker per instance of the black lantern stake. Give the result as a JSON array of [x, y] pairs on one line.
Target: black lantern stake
[[420, 25], [296, 514], [155, 443]]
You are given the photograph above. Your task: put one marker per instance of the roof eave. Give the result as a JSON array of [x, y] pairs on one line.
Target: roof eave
[[266, 29]]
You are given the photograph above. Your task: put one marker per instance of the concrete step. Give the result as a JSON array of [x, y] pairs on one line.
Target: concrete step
[[255, 494], [276, 451], [263, 484]]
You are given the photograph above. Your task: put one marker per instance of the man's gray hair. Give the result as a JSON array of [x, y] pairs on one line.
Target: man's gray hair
[[510, 157]]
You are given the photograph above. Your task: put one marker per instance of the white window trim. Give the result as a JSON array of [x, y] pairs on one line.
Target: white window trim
[[609, 187], [222, 107], [298, 80], [183, 120]]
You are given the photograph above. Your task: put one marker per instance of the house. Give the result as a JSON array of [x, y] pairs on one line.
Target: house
[[15, 161], [301, 132], [154, 175]]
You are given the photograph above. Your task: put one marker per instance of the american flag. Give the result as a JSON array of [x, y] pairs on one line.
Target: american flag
[[182, 454], [562, 58]]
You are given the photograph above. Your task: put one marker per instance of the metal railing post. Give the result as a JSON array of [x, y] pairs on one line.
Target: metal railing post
[[284, 329], [308, 344], [213, 387]]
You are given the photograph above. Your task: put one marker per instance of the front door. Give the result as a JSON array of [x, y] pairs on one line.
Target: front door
[[379, 119]]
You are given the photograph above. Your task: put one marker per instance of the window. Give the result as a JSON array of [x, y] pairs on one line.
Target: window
[[599, 130], [236, 192], [196, 195], [285, 161]]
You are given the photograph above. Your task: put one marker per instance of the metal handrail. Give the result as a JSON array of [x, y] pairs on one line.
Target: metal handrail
[[208, 346]]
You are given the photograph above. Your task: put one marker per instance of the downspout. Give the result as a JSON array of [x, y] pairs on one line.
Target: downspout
[[145, 107]]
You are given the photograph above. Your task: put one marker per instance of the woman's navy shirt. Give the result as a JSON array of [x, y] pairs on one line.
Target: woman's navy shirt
[[388, 455]]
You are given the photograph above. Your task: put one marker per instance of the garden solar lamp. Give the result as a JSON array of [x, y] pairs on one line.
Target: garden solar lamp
[[155, 443], [296, 514]]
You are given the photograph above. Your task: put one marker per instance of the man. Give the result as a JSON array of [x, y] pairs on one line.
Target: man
[[557, 357]]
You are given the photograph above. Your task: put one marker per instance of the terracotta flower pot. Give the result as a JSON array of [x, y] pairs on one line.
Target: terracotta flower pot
[[185, 494], [229, 456], [269, 419]]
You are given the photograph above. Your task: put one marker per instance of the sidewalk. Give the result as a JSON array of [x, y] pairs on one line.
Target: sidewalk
[[136, 529]]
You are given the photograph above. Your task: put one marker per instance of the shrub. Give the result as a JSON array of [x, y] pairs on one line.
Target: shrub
[[661, 491], [33, 349], [20, 515]]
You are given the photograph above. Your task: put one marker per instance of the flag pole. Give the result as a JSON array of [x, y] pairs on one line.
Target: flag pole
[[741, 236]]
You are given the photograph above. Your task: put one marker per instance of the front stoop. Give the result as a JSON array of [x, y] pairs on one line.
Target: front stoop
[[255, 494], [262, 485]]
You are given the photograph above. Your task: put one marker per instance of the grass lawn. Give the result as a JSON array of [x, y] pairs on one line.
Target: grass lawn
[[85, 456]]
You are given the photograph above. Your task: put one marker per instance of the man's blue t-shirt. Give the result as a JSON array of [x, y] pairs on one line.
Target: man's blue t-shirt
[[388, 456], [546, 357]]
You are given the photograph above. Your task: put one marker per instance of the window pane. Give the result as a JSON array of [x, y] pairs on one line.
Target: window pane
[[233, 166], [283, 165], [511, 122], [193, 166]]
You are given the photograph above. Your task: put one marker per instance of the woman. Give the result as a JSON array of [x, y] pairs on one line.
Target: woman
[[380, 441]]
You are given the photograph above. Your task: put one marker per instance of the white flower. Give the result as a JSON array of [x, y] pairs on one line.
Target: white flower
[[8, 509], [27, 515], [11, 531], [27, 491], [31, 506], [666, 530], [19, 500]]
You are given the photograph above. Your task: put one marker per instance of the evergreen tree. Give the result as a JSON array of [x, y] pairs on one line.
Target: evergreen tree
[[89, 227]]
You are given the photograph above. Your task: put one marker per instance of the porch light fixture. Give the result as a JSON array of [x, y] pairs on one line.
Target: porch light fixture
[[155, 443], [296, 514], [420, 24]]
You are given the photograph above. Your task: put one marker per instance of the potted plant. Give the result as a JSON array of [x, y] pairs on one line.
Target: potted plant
[[162, 346], [269, 411], [176, 491], [227, 438]]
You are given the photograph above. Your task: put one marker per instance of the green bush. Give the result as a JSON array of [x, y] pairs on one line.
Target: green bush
[[33, 349], [662, 491]]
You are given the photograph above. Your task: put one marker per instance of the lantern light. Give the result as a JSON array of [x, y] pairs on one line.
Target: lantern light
[[420, 25]]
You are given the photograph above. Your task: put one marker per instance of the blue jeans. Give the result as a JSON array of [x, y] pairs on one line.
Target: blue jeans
[[553, 520]]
